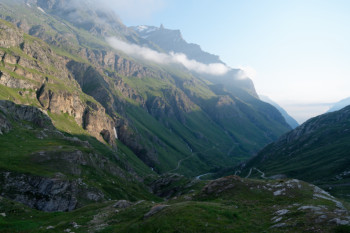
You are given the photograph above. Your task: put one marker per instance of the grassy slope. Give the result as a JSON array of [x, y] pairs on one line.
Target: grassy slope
[[245, 208], [318, 157], [225, 142], [23, 141], [62, 121], [224, 154]]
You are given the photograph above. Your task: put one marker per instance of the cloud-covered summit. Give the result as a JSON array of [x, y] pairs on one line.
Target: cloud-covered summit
[[170, 58]]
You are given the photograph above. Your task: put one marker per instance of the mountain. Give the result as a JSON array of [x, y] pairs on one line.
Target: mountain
[[317, 152], [111, 115], [94, 139], [57, 143], [339, 105], [171, 40], [290, 120], [170, 118]]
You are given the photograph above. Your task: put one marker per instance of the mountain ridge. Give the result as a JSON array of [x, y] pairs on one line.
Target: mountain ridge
[[172, 40], [178, 95], [290, 120], [339, 105], [96, 140], [316, 151]]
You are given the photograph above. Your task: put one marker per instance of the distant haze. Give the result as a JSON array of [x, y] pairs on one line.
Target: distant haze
[[302, 111]]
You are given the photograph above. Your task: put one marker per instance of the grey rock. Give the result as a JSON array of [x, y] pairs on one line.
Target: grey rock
[[9, 36], [5, 125], [46, 194], [25, 113], [75, 225], [122, 204], [282, 212], [279, 225], [9, 81], [40, 193], [220, 185], [340, 221], [310, 207], [155, 209]]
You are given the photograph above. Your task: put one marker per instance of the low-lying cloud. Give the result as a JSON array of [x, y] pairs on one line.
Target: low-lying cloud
[[171, 58], [246, 72]]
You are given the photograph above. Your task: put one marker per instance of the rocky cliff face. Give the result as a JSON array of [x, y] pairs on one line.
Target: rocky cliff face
[[43, 193], [36, 67], [10, 36], [23, 113], [47, 194], [65, 161]]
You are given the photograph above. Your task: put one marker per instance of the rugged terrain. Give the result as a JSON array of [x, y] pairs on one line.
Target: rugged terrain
[[229, 204], [94, 140], [158, 112], [317, 152]]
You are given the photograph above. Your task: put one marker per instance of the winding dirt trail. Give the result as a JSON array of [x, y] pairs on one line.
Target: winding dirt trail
[[254, 168]]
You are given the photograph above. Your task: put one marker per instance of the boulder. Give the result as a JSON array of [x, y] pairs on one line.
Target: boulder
[[155, 209]]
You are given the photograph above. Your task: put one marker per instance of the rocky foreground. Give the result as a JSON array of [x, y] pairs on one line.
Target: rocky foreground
[[229, 204]]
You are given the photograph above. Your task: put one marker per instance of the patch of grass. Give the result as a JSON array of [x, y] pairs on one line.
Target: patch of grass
[[66, 123]]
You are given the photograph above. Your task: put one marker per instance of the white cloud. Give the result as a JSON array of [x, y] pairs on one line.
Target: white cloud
[[247, 72], [171, 58]]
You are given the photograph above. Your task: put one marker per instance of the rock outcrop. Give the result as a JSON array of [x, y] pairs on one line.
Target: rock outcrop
[[9, 36], [62, 189], [44, 193], [48, 82], [23, 113], [5, 125], [154, 210]]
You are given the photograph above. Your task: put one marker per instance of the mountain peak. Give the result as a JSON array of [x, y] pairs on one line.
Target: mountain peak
[[172, 40], [147, 32]]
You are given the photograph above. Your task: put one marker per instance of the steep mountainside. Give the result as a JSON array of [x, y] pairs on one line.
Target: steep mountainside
[[93, 140], [172, 119], [50, 158], [172, 41], [49, 170], [317, 152], [290, 120]]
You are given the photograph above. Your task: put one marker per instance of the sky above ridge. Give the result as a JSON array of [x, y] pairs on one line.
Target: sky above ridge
[[296, 51]]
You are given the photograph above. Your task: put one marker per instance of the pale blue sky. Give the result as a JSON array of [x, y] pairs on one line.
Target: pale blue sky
[[299, 49]]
